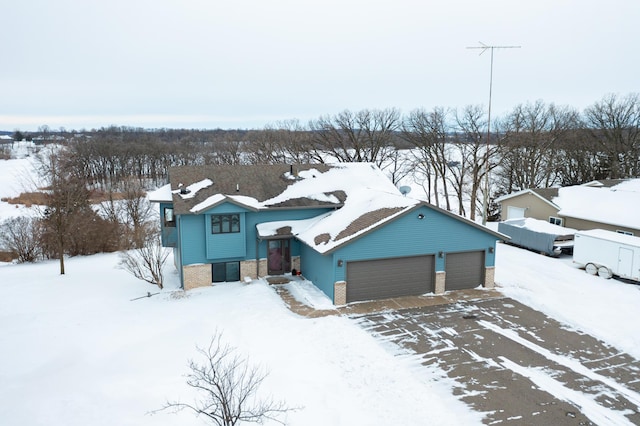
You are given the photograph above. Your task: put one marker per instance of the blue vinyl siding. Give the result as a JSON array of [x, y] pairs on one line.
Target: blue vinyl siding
[[192, 241], [410, 236], [225, 246], [226, 208], [199, 245], [319, 269], [253, 218], [168, 234]]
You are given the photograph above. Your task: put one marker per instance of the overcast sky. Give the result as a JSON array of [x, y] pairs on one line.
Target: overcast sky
[[246, 63]]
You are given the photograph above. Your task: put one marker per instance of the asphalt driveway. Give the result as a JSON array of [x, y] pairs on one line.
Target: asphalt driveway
[[516, 365]]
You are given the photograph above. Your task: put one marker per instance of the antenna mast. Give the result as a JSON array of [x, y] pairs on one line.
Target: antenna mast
[[485, 202]]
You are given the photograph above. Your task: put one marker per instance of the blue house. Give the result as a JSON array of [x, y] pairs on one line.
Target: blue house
[[346, 227]]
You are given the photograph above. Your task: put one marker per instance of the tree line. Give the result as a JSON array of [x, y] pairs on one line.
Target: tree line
[[447, 151]]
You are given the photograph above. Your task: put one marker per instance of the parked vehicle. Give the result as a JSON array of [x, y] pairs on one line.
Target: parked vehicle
[[538, 235], [608, 253]]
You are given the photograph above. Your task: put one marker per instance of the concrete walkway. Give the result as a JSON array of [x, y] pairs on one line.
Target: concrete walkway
[[374, 306]]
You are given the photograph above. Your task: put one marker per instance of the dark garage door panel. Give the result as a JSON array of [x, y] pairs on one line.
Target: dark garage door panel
[[464, 270], [386, 278]]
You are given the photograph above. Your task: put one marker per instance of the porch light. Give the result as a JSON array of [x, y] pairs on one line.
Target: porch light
[[420, 216], [490, 249], [440, 254], [340, 262]]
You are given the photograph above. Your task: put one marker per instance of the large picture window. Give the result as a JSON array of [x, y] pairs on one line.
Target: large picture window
[[225, 223]]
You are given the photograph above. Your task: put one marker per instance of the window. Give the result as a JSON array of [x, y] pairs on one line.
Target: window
[[225, 223], [225, 272], [169, 218], [555, 220], [619, 231]]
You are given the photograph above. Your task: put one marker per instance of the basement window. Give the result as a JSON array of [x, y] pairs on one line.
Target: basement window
[[620, 231], [225, 272]]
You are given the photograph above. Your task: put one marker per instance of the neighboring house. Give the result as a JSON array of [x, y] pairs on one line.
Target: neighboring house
[[608, 204], [346, 227]]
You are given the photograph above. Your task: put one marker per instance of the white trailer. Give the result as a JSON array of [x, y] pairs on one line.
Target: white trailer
[[607, 253]]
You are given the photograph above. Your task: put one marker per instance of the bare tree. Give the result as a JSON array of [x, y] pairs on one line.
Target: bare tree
[[137, 211], [66, 202], [615, 125], [282, 142], [427, 132], [228, 387], [472, 146], [21, 236], [363, 136], [146, 262]]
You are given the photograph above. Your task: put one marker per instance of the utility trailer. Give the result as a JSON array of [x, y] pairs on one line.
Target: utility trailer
[[607, 253], [538, 235]]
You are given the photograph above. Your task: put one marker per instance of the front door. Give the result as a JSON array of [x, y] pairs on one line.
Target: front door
[[279, 257], [625, 263]]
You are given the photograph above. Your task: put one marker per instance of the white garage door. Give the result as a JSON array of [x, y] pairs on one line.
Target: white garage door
[[515, 212]]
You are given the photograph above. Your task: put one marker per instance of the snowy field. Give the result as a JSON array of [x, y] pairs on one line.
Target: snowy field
[[77, 350]]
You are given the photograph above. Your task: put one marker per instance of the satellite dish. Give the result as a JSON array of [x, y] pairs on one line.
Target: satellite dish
[[405, 190]]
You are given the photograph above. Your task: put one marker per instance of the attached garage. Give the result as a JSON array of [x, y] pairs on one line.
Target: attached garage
[[387, 278], [464, 270]]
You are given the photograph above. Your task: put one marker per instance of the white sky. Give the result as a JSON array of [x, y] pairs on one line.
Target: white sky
[[246, 63]]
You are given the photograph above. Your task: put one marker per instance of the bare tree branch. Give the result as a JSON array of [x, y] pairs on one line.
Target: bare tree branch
[[228, 388]]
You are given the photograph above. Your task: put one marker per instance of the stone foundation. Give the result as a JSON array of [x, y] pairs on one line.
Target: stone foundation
[[340, 293], [489, 277], [295, 263], [440, 282], [248, 269], [197, 276]]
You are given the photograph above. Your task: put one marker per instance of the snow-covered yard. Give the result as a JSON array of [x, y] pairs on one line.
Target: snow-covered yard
[[76, 349]]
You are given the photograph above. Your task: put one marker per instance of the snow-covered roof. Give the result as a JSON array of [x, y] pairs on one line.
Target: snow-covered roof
[[161, 195], [190, 191], [544, 194], [362, 211], [612, 202], [613, 236], [618, 205], [256, 187], [360, 195], [540, 226]]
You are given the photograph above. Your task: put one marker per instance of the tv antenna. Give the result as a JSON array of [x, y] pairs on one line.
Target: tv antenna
[[485, 203]]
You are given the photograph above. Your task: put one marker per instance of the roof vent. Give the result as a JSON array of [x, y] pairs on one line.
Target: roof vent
[[183, 190]]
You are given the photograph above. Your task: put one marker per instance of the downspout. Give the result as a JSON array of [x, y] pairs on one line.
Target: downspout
[[181, 268], [257, 258]]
